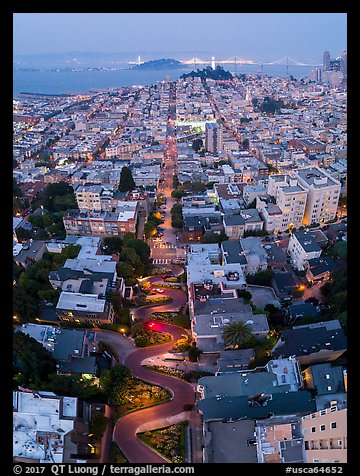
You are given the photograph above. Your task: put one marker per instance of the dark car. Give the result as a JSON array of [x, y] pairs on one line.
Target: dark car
[[251, 442]]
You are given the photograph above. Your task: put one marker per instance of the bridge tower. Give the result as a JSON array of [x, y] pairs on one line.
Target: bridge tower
[[213, 62], [139, 60]]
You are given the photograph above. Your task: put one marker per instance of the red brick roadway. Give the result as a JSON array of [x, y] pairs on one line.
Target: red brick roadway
[[182, 392]]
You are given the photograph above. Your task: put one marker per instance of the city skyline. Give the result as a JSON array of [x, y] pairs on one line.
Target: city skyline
[[302, 36]]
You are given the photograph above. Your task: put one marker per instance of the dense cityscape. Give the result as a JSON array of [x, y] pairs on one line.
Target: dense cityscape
[[180, 270]]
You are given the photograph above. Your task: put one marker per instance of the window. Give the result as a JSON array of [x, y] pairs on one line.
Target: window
[[313, 429], [340, 442], [322, 427], [333, 424], [316, 461]]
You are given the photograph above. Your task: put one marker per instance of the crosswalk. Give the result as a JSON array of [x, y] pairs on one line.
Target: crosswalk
[[161, 261], [164, 245]]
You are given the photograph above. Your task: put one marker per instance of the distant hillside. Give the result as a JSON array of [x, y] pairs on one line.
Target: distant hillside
[[208, 73], [160, 64]]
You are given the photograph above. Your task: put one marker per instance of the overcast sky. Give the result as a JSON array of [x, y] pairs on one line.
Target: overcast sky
[[258, 36]]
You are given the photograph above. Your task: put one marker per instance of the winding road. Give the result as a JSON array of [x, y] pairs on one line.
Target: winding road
[[182, 392]]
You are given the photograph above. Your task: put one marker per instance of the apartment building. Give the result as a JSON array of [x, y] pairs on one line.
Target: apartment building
[[88, 196], [103, 223], [69, 347], [308, 145], [302, 247], [146, 176], [49, 429], [78, 307], [290, 198], [214, 137], [325, 436], [279, 440], [322, 197], [270, 213]]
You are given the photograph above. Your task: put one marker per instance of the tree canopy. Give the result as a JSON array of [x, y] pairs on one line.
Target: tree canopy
[[56, 197], [237, 334], [113, 244], [31, 358], [126, 180], [141, 248]]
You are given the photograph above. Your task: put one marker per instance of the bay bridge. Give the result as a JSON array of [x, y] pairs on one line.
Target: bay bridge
[[235, 60]]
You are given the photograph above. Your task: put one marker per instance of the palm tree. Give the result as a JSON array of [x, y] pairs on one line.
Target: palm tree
[[237, 333]]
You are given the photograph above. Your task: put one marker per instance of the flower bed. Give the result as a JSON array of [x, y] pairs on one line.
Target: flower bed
[[169, 441], [138, 394], [155, 300], [166, 370]]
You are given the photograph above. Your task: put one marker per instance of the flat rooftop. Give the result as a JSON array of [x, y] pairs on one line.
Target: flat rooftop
[[212, 315], [40, 422], [80, 302], [227, 442], [316, 178]]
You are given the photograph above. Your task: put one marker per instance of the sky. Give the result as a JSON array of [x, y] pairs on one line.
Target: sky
[[256, 36]]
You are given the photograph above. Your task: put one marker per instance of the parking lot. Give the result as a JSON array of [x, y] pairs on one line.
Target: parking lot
[[262, 296]]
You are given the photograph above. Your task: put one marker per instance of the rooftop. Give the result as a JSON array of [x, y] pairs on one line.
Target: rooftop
[[41, 420], [311, 338], [317, 178], [80, 302], [233, 252], [307, 241], [326, 378], [239, 407]]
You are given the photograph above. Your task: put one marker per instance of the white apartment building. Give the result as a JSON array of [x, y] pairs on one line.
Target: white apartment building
[[323, 194], [270, 213], [302, 247], [290, 198], [146, 176], [42, 426], [88, 197]]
